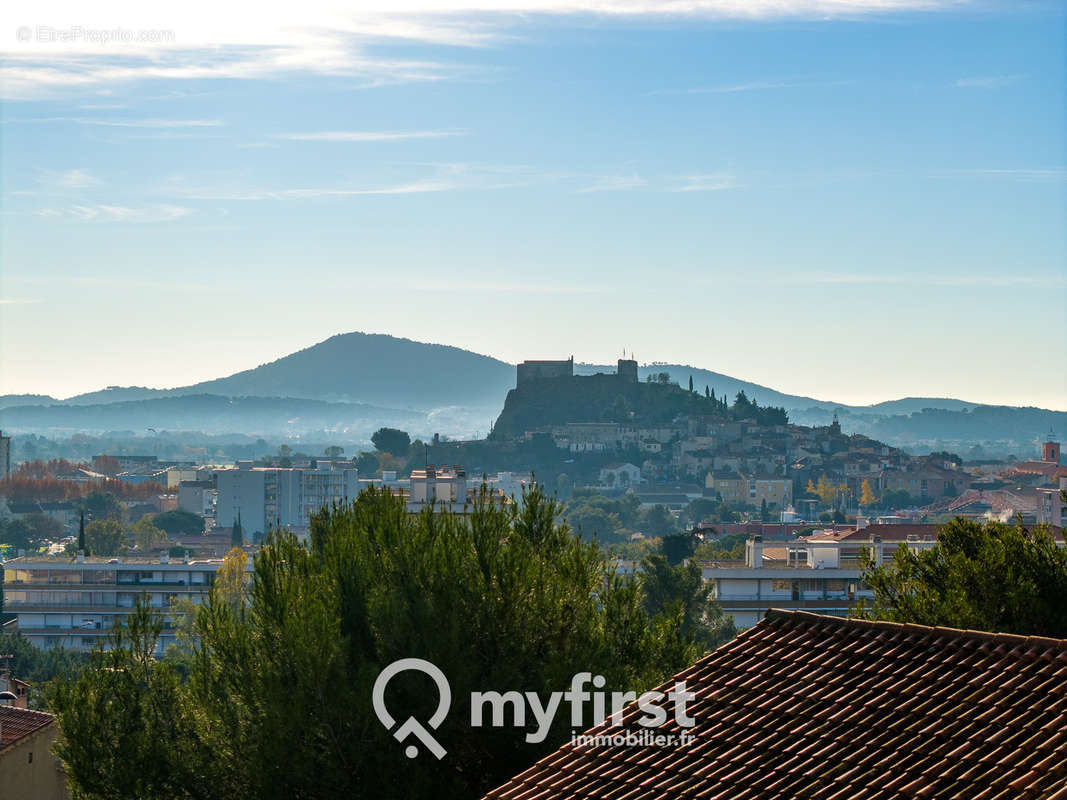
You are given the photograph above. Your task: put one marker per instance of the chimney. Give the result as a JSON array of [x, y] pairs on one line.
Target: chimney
[[754, 552], [876, 549]]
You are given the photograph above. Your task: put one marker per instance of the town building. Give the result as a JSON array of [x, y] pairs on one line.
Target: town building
[[620, 475], [1051, 508], [738, 490], [28, 769], [5, 455], [269, 497], [809, 706], [197, 497], [821, 572], [74, 603]]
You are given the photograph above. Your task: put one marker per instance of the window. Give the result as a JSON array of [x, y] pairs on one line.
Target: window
[[781, 586]]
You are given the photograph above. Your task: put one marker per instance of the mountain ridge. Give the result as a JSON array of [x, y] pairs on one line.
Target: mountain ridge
[[364, 379]]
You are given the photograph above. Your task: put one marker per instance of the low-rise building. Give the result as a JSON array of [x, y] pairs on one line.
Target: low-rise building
[[28, 769], [620, 475]]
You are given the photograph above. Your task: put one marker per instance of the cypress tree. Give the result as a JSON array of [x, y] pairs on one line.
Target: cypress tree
[[237, 538], [81, 534]]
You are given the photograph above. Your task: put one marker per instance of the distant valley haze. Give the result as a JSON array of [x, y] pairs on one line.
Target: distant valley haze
[[352, 383]]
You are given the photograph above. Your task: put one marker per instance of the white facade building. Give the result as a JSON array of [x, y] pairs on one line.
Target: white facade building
[[268, 497], [74, 603], [820, 573]]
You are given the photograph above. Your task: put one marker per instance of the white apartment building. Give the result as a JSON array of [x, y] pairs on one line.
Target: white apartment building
[[267, 497], [818, 573], [74, 603]]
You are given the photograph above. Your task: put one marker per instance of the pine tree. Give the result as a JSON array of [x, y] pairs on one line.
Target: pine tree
[[707, 391], [690, 384], [81, 534]]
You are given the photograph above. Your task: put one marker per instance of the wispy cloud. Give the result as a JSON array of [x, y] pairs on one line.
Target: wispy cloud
[[1038, 174], [752, 86], [110, 213], [368, 136], [333, 38], [615, 183], [987, 81], [16, 301], [442, 178], [150, 123], [67, 180], [961, 281], [712, 182]]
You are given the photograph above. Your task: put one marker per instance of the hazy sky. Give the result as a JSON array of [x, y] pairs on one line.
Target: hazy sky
[[851, 199]]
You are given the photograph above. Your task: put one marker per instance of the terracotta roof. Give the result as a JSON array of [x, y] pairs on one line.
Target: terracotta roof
[[16, 723], [810, 706], [889, 533]]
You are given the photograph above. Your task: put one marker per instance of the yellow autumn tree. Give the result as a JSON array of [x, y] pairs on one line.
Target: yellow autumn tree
[[867, 497], [231, 581], [811, 487], [826, 490]]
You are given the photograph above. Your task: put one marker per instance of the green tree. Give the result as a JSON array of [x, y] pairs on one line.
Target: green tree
[[764, 513], [129, 727], [391, 440], [105, 537], [992, 577], [701, 510], [680, 590], [179, 522], [100, 505], [507, 598], [147, 536], [658, 521], [18, 534], [677, 547], [367, 464]]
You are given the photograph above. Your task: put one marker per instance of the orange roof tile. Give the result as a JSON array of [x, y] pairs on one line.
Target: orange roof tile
[[16, 723], [812, 706]]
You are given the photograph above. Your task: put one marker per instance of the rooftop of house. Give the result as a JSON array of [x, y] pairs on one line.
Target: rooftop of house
[[17, 723], [806, 705], [889, 533]]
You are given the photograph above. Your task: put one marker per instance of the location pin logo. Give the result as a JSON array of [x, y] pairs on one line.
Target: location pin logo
[[411, 726]]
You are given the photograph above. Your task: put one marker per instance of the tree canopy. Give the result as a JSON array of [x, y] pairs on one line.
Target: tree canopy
[[179, 522], [992, 577], [391, 440], [278, 701]]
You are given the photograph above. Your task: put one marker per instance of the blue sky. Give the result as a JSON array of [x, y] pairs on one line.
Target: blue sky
[[851, 199]]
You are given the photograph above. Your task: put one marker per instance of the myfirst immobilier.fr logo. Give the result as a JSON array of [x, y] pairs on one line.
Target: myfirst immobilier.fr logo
[[528, 706]]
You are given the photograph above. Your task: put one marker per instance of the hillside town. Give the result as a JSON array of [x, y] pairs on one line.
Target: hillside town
[[805, 501]]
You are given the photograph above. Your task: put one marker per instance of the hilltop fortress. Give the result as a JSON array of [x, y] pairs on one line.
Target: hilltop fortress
[[529, 371], [548, 393]]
